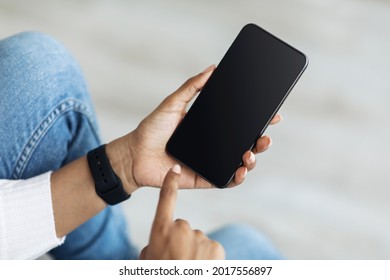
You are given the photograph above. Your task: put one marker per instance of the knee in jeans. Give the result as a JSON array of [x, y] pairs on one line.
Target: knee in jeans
[[40, 64], [241, 231], [32, 47]]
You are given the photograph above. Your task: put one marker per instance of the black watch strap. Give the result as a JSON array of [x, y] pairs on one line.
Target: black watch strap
[[108, 185]]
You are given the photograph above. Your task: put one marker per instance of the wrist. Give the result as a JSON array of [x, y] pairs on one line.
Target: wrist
[[121, 160]]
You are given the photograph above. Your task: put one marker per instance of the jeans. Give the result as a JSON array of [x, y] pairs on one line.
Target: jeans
[[47, 120]]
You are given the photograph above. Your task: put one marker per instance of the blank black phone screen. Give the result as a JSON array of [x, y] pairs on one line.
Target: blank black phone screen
[[236, 104]]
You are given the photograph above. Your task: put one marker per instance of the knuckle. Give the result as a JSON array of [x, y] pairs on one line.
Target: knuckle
[[190, 81], [187, 85], [182, 224], [252, 165], [170, 102], [238, 180], [193, 88], [260, 145], [216, 246], [199, 234]]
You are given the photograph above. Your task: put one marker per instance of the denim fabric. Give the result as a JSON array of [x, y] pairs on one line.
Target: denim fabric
[[46, 121], [242, 242]]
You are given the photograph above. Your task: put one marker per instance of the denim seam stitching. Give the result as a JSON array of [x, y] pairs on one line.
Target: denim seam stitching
[[62, 108]]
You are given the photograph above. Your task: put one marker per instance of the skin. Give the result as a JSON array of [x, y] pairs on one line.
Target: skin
[[175, 240], [139, 159]]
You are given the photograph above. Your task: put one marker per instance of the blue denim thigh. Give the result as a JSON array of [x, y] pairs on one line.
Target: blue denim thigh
[[242, 242], [46, 121], [40, 83]]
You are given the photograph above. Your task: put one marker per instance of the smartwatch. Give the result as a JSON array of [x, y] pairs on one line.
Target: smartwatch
[[108, 185]]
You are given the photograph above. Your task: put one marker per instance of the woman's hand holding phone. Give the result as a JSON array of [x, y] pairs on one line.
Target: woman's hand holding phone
[[141, 158]]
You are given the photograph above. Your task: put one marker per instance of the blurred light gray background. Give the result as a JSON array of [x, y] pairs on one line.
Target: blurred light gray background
[[322, 191]]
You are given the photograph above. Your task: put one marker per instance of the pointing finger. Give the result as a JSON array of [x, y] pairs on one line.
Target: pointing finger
[[167, 200]]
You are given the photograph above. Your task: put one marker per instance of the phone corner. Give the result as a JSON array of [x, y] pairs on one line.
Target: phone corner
[[306, 60]]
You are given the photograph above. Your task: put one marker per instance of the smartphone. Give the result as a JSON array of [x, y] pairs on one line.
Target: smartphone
[[236, 105]]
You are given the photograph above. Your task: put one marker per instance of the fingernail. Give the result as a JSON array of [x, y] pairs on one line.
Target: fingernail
[[211, 67], [245, 172], [252, 158], [270, 142], [176, 168]]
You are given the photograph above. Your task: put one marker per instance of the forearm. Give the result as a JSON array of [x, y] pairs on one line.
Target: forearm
[[74, 197]]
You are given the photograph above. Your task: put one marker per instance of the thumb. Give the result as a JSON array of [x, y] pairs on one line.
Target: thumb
[[190, 88]]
